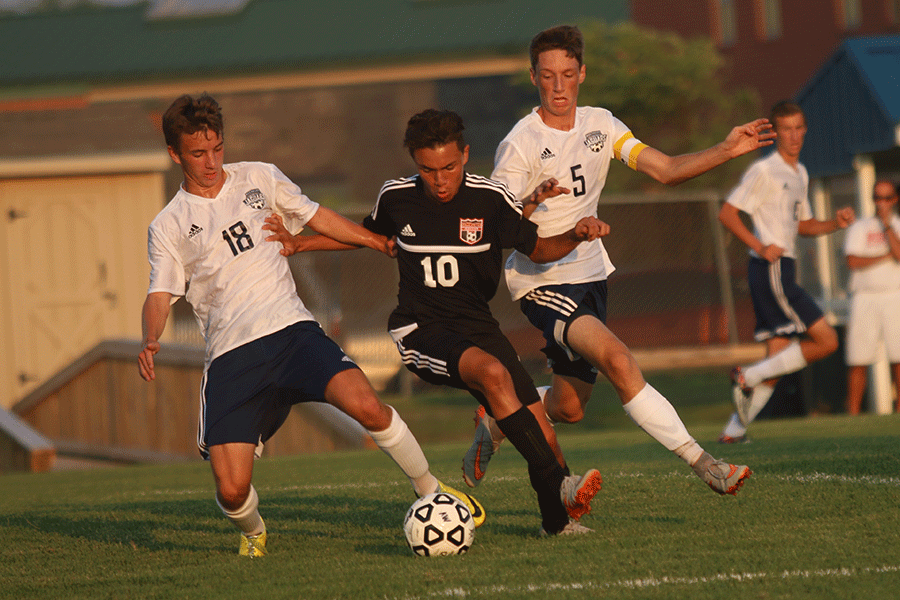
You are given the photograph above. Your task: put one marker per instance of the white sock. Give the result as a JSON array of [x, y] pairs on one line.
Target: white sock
[[654, 414], [734, 428], [758, 400], [246, 518], [786, 361], [398, 442], [542, 392]]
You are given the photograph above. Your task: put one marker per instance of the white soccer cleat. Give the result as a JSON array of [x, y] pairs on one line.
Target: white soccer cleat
[[487, 440]]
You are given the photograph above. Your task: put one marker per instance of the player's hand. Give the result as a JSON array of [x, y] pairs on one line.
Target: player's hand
[[844, 217], [549, 188], [290, 244], [145, 360], [772, 252], [390, 247], [749, 137], [590, 228]]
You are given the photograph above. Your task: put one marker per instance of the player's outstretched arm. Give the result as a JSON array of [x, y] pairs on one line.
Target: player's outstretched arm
[[153, 321], [672, 170], [291, 244], [843, 217], [553, 248], [335, 233]]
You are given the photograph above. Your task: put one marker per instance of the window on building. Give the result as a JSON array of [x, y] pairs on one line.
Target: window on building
[[768, 19], [850, 13], [726, 22]]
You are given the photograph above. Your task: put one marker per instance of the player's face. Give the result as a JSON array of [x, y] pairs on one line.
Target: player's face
[[885, 197], [791, 130], [557, 77], [200, 156], [442, 169]]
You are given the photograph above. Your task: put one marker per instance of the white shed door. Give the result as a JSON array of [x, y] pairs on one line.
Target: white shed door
[[75, 269]]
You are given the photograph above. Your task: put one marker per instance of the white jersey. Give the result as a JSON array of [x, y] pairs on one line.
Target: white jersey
[[239, 285], [866, 238], [775, 195], [579, 158]]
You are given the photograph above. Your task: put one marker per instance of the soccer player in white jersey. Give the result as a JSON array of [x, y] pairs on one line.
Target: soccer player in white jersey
[[264, 350], [773, 191], [566, 299], [872, 247]]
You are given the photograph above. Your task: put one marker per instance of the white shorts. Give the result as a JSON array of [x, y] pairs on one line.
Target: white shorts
[[874, 317]]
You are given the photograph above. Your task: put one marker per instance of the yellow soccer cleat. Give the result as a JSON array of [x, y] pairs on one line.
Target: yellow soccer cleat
[[474, 506], [254, 545]]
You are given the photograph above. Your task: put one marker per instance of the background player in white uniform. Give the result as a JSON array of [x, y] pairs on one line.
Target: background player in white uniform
[[451, 229], [773, 191], [567, 299], [872, 247], [264, 351]]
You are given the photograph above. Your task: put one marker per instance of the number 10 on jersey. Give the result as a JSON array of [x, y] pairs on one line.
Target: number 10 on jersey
[[444, 271]]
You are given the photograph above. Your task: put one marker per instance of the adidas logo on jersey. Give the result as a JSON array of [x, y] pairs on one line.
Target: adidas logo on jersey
[[547, 154], [194, 230], [407, 231]]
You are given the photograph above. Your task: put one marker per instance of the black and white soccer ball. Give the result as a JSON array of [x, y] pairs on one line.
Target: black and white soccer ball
[[438, 525]]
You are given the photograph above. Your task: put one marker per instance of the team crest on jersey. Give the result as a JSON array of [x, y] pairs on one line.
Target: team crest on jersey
[[471, 230], [255, 199], [595, 140]]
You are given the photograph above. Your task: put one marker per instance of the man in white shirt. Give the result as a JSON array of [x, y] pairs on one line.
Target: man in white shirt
[[773, 191], [264, 350], [566, 299], [872, 247]]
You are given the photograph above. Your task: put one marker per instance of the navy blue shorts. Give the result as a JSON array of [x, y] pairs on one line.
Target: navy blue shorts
[[247, 393], [552, 308], [433, 351], [782, 307]]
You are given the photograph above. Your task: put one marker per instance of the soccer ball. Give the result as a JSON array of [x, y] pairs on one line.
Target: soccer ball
[[437, 525]]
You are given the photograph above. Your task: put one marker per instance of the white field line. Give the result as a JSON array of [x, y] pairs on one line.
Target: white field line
[[804, 478], [540, 590]]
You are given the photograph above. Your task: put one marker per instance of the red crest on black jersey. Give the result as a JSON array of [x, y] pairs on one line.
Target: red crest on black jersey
[[470, 230]]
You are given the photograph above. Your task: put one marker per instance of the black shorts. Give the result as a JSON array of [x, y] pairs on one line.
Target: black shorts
[[247, 393], [782, 307], [552, 308], [433, 351]]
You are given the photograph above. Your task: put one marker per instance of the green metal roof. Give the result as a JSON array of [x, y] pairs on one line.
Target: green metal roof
[[127, 44]]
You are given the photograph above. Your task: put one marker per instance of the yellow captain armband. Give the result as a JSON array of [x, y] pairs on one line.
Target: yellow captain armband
[[627, 149]]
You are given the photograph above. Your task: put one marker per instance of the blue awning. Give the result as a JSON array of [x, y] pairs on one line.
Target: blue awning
[[852, 105]]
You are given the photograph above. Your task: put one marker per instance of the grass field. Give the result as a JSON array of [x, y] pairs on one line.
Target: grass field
[[820, 518]]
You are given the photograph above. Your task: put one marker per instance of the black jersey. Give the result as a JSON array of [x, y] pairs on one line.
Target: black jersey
[[450, 255]]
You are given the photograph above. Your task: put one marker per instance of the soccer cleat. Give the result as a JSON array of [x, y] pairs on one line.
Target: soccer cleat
[[474, 506], [572, 528], [254, 545], [476, 460], [577, 492], [722, 477], [741, 394], [738, 439]]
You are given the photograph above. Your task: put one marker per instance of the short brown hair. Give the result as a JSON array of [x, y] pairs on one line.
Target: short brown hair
[[189, 115], [431, 128], [562, 37], [785, 108]]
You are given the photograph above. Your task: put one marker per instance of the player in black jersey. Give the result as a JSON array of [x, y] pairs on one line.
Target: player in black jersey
[[451, 228]]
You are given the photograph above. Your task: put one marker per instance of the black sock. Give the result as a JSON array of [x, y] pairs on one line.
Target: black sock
[[544, 471]]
